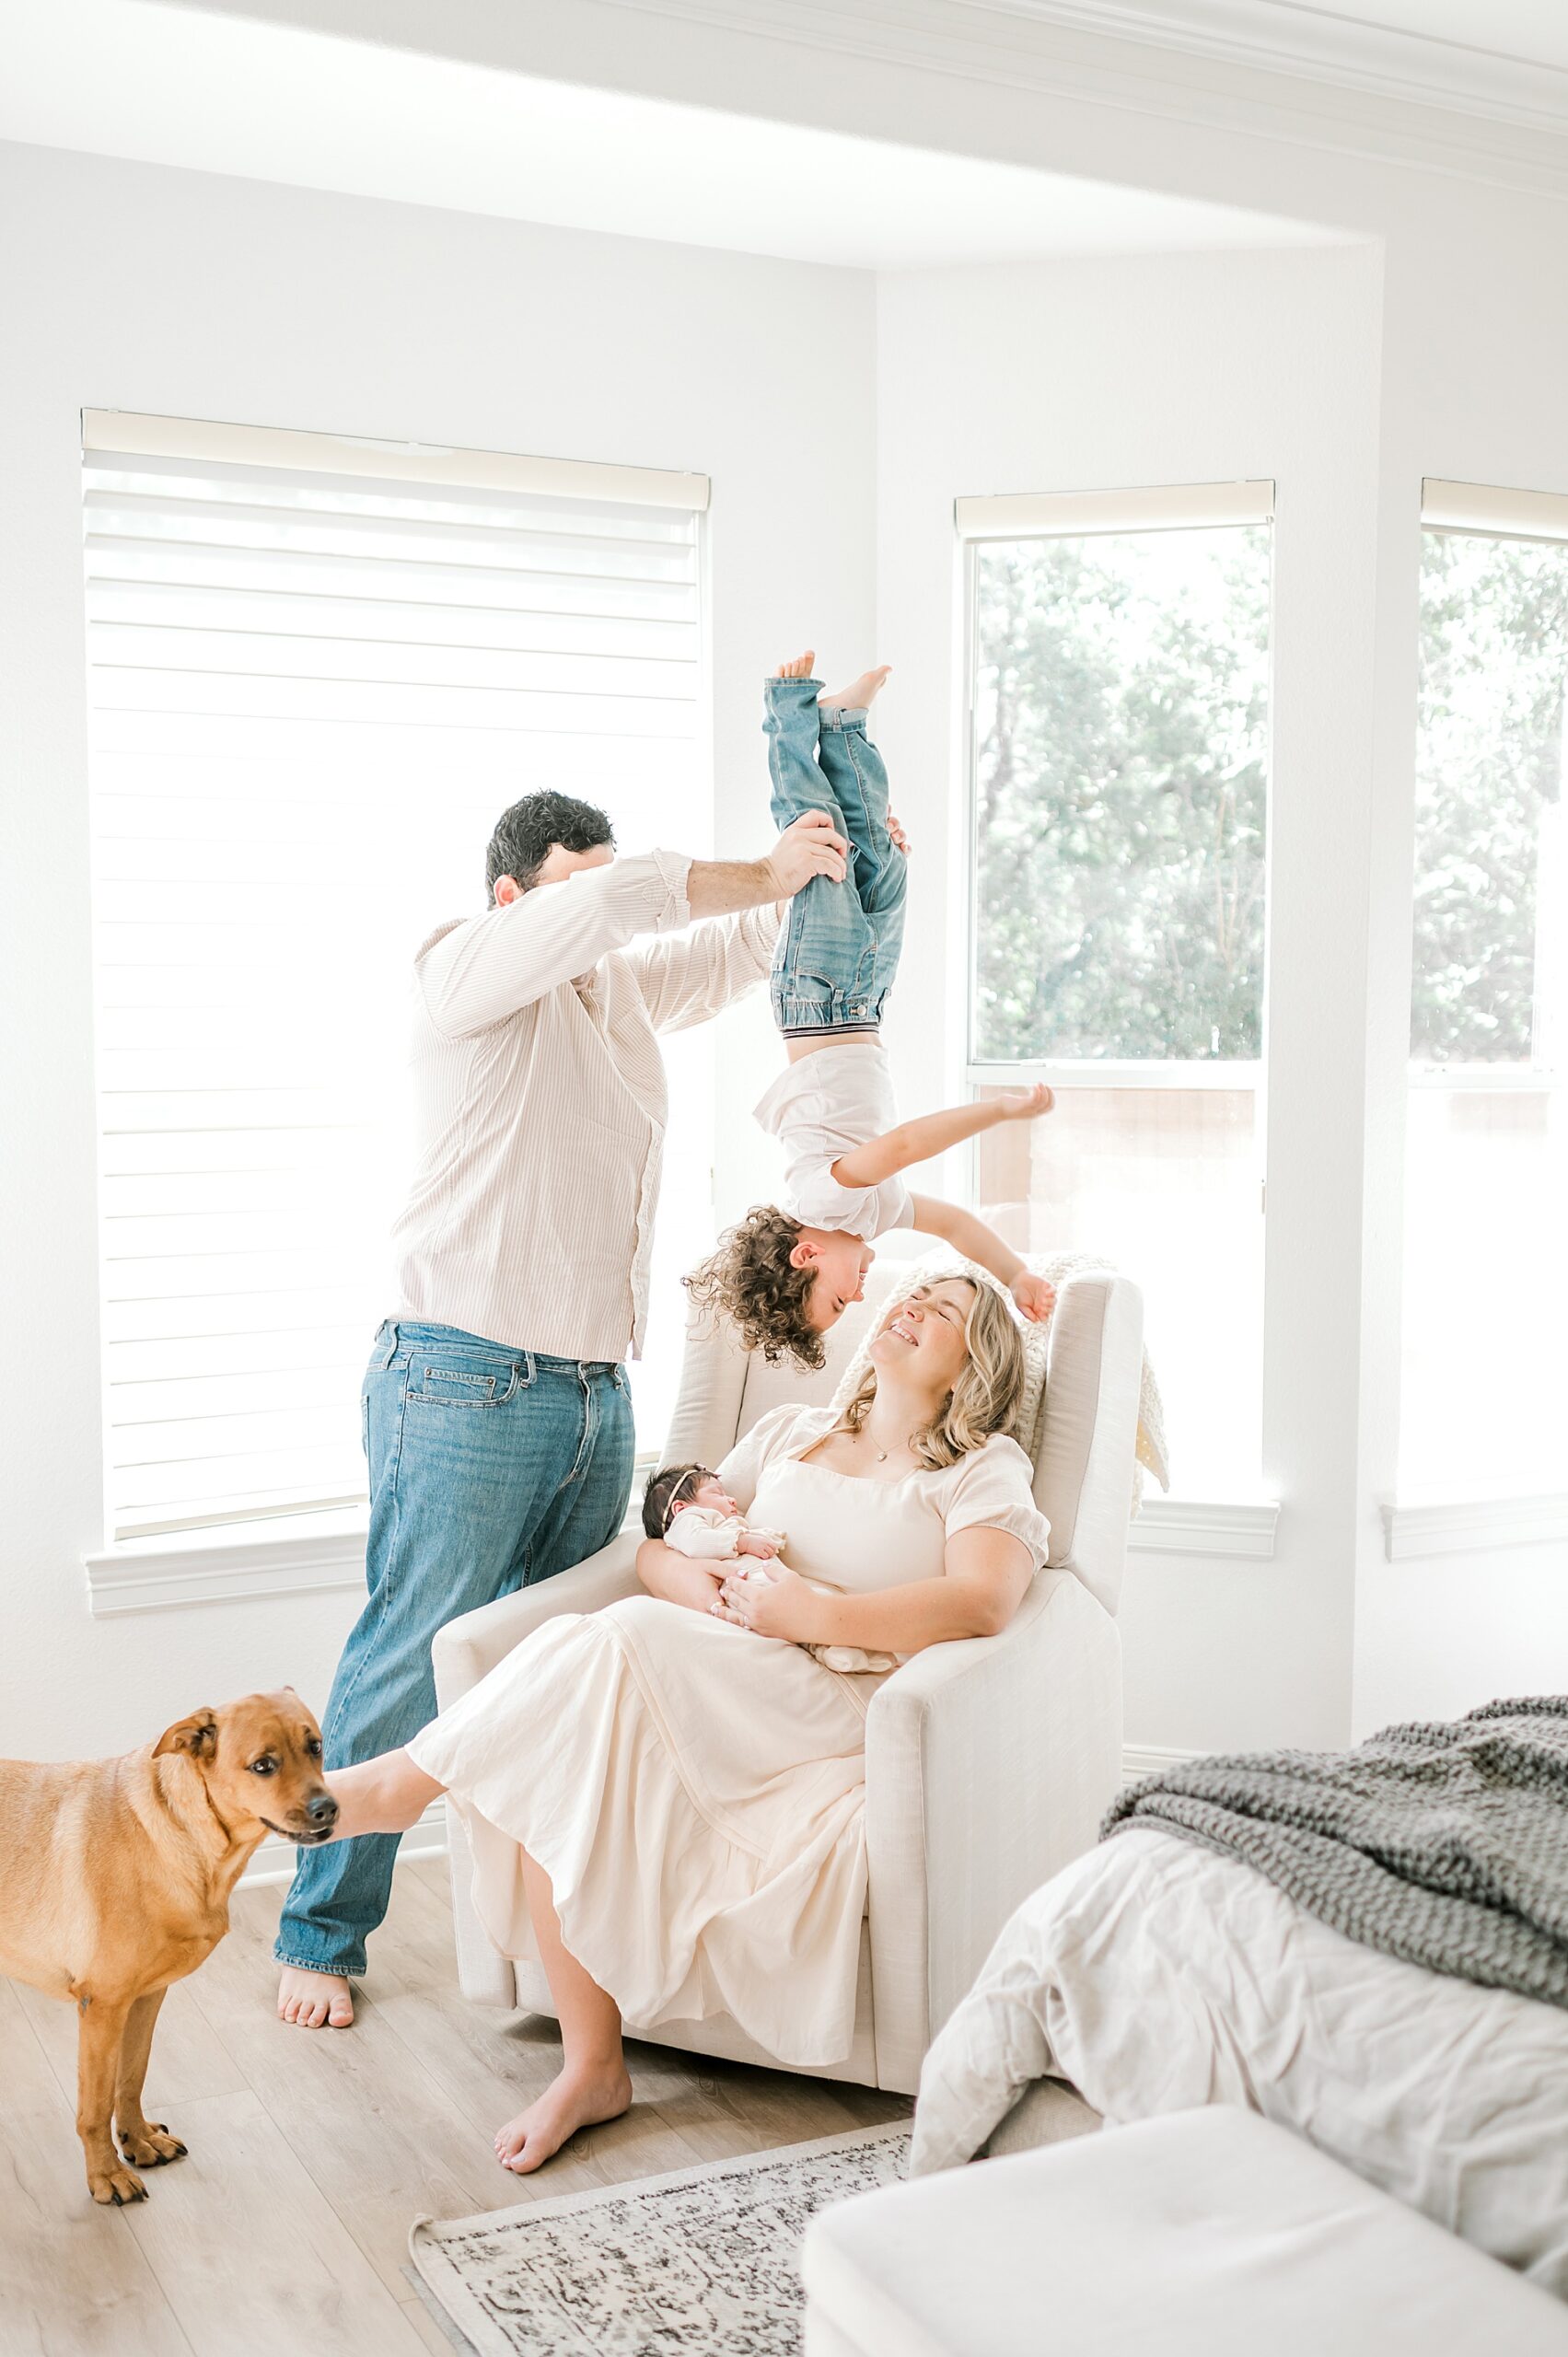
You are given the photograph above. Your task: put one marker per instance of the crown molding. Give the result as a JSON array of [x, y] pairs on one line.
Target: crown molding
[[1284, 36], [1109, 56]]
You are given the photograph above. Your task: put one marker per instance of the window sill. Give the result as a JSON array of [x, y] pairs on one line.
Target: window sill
[[1196, 1526], [303, 1555], [1472, 1526]]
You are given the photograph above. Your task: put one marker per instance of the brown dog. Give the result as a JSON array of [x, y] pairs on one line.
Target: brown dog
[[115, 1878]]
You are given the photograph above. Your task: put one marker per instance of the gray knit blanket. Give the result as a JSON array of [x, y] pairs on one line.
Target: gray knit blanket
[[1443, 1844]]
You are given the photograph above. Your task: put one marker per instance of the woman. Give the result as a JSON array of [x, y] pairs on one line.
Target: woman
[[685, 1781]]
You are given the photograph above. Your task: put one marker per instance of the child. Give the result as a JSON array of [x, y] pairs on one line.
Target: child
[[783, 1277], [685, 1506]]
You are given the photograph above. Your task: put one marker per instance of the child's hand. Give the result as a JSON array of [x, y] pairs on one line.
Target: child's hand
[[1035, 1298], [1026, 1104], [757, 1542], [780, 1604]]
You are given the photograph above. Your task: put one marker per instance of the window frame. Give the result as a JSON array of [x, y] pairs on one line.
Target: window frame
[[1081, 515], [201, 1556]]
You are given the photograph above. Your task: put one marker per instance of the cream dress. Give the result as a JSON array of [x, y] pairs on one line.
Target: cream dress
[[696, 1793]]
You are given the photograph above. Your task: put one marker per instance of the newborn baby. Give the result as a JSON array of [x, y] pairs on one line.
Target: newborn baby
[[687, 1506]]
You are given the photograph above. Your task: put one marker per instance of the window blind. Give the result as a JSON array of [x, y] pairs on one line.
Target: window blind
[[316, 675]]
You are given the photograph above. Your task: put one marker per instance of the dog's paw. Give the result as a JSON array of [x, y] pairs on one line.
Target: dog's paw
[[149, 2147], [115, 2184]]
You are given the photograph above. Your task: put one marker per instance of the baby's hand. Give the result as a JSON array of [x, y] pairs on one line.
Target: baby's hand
[[1026, 1104], [1035, 1298], [757, 1542]]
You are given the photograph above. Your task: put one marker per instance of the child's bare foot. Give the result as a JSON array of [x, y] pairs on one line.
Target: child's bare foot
[[800, 668], [1026, 1104], [575, 2098], [859, 692]]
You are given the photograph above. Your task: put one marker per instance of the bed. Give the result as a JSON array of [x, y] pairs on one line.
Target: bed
[[1152, 1976]]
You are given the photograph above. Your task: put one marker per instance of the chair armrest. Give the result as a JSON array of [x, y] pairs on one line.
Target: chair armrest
[[989, 1765], [467, 1648]]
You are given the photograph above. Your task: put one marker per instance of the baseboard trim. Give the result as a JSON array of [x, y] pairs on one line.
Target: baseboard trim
[[1139, 1760], [275, 1860]]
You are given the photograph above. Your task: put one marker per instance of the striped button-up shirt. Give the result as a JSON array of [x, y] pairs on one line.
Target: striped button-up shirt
[[539, 1101]]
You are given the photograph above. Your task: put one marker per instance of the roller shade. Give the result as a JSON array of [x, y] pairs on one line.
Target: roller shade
[[317, 673]]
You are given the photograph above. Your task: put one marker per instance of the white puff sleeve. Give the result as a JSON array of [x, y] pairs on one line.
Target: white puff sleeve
[[991, 1488]]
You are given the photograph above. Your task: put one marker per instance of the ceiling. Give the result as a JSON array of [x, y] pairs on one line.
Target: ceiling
[[221, 92]]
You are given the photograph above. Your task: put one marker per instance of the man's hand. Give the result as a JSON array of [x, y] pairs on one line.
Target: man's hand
[[1035, 1298], [810, 847], [896, 836]]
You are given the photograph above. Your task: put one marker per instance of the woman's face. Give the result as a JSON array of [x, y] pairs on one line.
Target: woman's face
[[922, 1339]]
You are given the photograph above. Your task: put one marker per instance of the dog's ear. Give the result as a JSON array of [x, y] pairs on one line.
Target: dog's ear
[[198, 1734]]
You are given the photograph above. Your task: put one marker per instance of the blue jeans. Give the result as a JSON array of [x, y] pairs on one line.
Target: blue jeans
[[490, 1468], [838, 952]]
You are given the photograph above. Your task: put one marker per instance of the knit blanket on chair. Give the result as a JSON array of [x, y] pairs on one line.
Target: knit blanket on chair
[[1443, 1843]]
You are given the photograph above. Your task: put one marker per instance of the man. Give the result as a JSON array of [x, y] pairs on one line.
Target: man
[[496, 1420]]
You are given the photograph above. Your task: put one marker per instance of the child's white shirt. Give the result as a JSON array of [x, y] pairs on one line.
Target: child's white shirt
[[708, 1536], [820, 1107]]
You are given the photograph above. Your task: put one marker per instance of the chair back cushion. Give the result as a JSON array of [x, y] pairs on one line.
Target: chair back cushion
[[1082, 1444]]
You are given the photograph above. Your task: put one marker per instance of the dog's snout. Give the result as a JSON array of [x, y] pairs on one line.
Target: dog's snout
[[322, 1810]]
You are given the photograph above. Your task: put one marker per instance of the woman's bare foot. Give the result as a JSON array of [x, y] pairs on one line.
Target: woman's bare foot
[[859, 692], [1026, 1104], [578, 2097], [314, 2000], [800, 668]]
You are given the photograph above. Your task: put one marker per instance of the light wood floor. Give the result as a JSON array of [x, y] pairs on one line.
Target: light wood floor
[[286, 2230]]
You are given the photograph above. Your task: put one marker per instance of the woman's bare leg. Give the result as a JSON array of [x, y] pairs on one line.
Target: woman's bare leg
[[383, 1795], [592, 2084]]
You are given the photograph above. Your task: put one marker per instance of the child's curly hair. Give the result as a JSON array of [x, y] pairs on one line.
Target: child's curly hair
[[749, 1281]]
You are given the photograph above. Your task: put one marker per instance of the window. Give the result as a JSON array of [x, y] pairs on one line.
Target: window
[[1485, 1395], [319, 669], [1120, 694]]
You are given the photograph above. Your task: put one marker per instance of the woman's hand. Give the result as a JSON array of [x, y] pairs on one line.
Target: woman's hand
[[773, 1604]]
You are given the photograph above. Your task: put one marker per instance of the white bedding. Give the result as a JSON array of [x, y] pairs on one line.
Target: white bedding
[[1154, 1976]]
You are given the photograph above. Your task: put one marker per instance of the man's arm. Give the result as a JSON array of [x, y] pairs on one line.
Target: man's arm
[[687, 977], [933, 1134], [486, 970], [977, 1242]]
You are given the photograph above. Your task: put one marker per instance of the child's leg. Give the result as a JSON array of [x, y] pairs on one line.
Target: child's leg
[[858, 776], [823, 966]]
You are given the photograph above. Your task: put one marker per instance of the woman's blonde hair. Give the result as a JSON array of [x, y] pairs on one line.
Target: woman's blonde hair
[[985, 1398]]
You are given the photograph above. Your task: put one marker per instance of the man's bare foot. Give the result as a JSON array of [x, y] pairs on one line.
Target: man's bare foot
[[800, 668], [859, 692], [1026, 1104], [576, 2098], [314, 2000]]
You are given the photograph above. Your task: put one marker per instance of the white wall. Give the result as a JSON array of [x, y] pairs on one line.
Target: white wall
[[1439, 348], [127, 287], [1078, 376]]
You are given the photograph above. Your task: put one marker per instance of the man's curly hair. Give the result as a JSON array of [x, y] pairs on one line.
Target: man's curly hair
[[749, 1281]]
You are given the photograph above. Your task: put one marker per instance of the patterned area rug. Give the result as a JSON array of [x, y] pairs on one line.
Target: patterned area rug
[[699, 2263]]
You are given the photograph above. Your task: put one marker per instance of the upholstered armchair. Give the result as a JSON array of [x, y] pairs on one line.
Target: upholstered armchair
[[988, 1763]]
